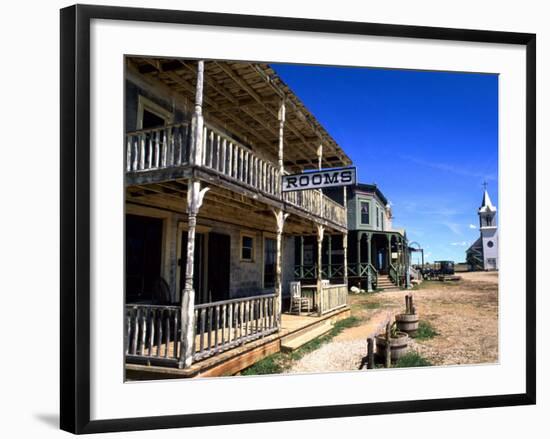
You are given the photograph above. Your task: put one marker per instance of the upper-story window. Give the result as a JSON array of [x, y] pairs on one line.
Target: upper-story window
[[151, 115], [377, 217], [382, 220], [365, 212]]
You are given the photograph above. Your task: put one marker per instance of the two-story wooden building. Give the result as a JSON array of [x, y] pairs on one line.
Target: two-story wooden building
[[377, 254], [209, 234]]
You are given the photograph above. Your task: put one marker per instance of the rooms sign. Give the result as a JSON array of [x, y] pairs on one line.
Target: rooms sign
[[319, 179]]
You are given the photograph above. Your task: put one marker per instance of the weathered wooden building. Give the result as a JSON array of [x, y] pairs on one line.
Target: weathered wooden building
[[209, 235], [378, 256]]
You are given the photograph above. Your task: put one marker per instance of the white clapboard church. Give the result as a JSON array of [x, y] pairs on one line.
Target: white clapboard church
[[483, 253]]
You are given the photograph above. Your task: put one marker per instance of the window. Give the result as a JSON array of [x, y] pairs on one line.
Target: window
[[490, 244], [151, 115], [382, 220], [247, 248], [365, 209], [270, 255], [377, 217]]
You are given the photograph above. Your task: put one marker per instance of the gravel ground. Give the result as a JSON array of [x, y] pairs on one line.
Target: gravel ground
[[464, 313]]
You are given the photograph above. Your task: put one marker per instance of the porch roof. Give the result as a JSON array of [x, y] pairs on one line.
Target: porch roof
[[243, 98]]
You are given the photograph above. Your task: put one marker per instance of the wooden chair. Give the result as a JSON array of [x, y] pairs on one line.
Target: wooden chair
[[297, 302]]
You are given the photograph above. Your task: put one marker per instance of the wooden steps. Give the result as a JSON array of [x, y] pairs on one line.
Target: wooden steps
[[385, 284], [300, 338]]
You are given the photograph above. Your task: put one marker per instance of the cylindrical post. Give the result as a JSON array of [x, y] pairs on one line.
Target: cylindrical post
[[359, 234], [281, 117], [197, 121], [369, 278], [320, 235], [329, 245], [370, 353], [301, 257], [388, 346], [188, 293], [194, 200], [345, 237], [280, 218]]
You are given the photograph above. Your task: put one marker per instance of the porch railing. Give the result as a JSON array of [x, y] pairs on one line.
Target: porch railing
[[157, 148], [168, 147], [394, 275], [363, 270], [228, 157], [230, 323], [310, 200], [333, 297], [337, 271], [154, 333], [328, 271]]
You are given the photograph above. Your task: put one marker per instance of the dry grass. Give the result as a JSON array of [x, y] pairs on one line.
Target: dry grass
[[463, 313]]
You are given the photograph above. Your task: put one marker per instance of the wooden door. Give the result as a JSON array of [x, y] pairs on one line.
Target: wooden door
[[219, 259]]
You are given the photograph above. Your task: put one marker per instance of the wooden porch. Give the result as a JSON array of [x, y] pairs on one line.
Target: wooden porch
[[217, 160], [295, 330]]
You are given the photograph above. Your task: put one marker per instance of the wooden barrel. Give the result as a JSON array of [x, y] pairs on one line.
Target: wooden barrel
[[398, 345], [407, 323]]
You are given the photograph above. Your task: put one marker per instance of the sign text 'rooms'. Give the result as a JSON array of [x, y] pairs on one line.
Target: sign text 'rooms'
[[319, 179]]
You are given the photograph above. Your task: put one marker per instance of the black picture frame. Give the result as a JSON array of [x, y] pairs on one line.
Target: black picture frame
[[75, 217]]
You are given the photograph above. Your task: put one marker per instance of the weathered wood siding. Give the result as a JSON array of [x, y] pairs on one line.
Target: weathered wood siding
[[246, 278], [180, 112]]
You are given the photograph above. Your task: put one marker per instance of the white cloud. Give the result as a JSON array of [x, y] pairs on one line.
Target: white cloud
[[472, 226], [460, 244], [453, 227]]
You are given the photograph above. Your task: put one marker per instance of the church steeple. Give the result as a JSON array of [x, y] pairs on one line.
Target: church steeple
[[487, 212], [486, 204], [483, 254]]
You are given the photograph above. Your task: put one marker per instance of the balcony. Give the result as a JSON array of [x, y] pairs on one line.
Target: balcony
[[162, 154]]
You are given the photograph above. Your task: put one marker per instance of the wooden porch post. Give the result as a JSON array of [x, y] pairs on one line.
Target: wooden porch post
[[197, 121], [388, 256], [345, 237], [407, 264], [195, 196], [301, 257], [359, 234], [281, 117], [320, 235], [329, 245], [369, 279], [280, 218]]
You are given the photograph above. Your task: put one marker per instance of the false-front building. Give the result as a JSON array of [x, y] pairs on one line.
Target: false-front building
[[377, 254], [210, 237]]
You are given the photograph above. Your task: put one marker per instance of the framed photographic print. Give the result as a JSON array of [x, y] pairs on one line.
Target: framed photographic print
[[268, 218]]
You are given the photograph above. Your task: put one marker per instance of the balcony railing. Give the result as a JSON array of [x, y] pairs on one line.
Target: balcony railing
[[168, 147], [158, 148]]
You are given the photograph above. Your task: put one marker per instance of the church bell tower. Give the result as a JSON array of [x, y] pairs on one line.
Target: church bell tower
[[489, 232]]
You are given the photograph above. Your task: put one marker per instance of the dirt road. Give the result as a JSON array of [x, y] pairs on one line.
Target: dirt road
[[464, 314]]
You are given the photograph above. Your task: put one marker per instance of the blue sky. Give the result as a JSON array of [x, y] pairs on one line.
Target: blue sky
[[427, 139]]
